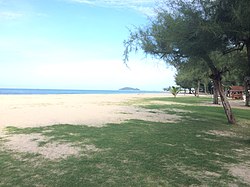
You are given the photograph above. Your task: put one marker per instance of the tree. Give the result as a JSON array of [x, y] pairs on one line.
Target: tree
[[175, 90], [233, 17], [167, 89], [237, 69], [192, 74], [184, 79], [185, 32]]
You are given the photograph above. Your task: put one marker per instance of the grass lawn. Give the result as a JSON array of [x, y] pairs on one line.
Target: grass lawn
[[200, 149]]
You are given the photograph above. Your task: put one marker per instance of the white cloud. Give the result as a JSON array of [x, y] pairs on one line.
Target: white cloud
[[69, 68], [143, 6], [9, 15], [100, 75], [83, 1]]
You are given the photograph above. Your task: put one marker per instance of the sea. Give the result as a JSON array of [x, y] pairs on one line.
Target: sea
[[19, 91]]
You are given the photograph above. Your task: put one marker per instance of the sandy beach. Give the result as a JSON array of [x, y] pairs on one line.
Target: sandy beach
[[79, 109], [92, 110]]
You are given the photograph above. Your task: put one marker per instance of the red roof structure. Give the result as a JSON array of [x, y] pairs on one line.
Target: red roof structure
[[236, 92]]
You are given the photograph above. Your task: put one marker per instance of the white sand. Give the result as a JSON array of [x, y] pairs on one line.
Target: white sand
[[92, 110]]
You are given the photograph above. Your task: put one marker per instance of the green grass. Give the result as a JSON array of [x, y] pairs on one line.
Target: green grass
[[139, 153], [183, 100]]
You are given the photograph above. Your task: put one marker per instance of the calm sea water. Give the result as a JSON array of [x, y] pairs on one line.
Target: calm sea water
[[13, 91]]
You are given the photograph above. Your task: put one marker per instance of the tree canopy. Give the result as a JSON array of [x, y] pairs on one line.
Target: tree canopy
[[234, 20], [192, 75], [188, 31]]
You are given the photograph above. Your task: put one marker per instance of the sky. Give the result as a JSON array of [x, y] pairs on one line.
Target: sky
[[76, 44]]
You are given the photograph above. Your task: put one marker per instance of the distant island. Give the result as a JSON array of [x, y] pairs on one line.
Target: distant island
[[129, 88]]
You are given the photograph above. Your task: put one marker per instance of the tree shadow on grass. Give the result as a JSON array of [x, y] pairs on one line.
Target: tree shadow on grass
[[137, 152]]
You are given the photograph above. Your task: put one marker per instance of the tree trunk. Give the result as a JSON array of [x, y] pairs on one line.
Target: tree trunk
[[215, 95], [205, 88], [225, 103], [216, 76], [248, 74], [198, 88], [247, 86], [190, 91]]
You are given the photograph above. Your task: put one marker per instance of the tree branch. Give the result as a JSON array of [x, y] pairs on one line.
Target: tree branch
[[239, 47]]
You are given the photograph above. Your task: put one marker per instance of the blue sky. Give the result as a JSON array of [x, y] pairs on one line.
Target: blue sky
[[75, 44]]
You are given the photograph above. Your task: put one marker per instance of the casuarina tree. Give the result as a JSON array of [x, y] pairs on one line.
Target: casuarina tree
[[234, 20], [180, 33]]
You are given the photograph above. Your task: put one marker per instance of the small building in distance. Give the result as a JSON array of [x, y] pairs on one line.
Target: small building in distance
[[236, 92]]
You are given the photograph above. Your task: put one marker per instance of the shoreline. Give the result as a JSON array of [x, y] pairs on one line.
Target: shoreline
[[27, 91]]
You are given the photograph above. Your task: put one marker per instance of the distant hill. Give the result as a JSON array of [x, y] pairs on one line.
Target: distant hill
[[129, 88]]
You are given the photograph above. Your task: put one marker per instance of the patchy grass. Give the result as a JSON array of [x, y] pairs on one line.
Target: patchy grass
[[181, 100], [199, 150]]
